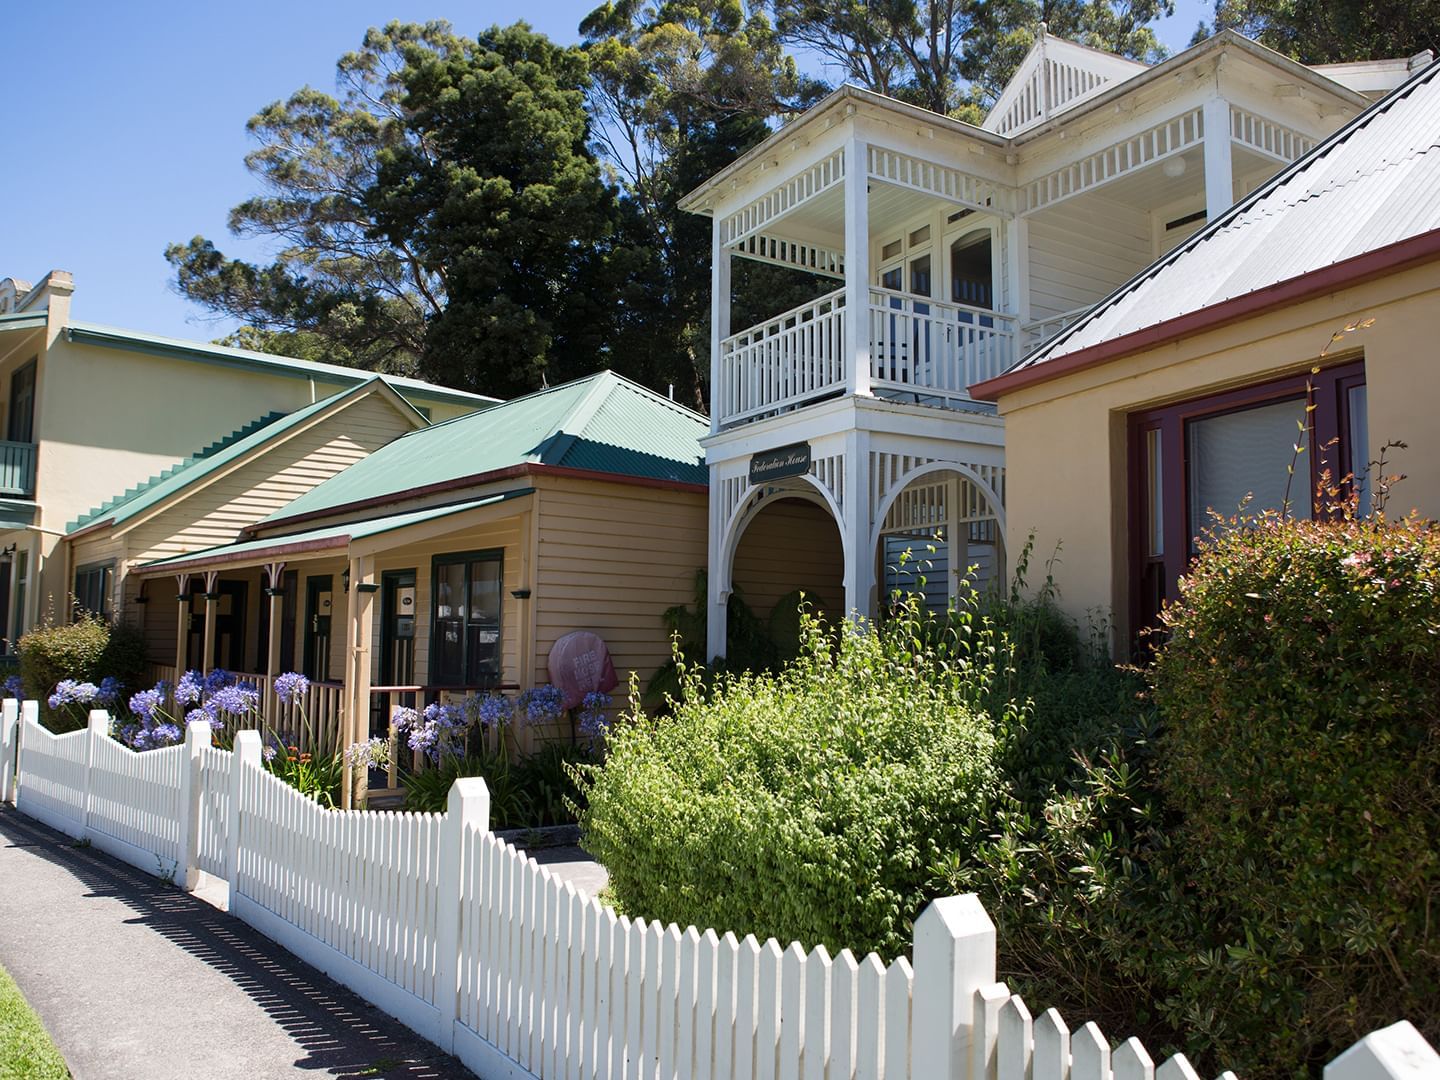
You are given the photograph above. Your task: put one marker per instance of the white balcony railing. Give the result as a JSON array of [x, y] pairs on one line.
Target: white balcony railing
[[783, 362], [1034, 334], [920, 350], [935, 351]]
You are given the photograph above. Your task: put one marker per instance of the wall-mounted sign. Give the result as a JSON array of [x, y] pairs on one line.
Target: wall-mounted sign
[[792, 460]]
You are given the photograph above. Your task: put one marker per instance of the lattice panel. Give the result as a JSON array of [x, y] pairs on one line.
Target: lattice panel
[[754, 216], [1113, 162], [1267, 137], [779, 251], [906, 170]]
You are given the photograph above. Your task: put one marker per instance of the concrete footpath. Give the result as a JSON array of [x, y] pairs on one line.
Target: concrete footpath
[[134, 978]]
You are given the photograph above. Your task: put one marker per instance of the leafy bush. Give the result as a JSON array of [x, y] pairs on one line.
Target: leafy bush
[[1300, 684], [88, 650], [808, 804]]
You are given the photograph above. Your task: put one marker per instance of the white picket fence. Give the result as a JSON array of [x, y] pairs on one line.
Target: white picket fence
[[479, 949]]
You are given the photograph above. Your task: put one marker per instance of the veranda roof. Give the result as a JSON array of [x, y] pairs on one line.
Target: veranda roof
[[337, 538], [603, 424]]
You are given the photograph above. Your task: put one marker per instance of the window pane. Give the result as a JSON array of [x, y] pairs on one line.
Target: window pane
[[1155, 492], [450, 591], [1249, 453], [1358, 440], [890, 279], [890, 250], [920, 276], [920, 235], [485, 591]]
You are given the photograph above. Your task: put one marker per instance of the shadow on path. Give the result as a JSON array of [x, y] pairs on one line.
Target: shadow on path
[[336, 1032]]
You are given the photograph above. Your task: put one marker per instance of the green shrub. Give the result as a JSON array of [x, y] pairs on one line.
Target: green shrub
[[524, 792], [809, 804], [1300, 685], [88, 650]]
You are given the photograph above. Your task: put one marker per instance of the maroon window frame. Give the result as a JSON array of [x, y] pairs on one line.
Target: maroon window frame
[[1153, 578]]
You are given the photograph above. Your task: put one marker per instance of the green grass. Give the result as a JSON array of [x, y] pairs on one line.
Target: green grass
[[26, 1052]]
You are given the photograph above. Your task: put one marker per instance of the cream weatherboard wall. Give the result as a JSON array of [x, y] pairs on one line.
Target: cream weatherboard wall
[[1066, 438]]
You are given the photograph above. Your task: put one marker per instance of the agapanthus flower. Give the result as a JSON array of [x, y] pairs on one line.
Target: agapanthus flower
[[439, 730], [374, 752], [403, 717], [542, 704], [72, 692], [144, 703], [291, 687], [494, 710], [234, 699], [189, 688], [218, 679], [109, 690], [593, 722], [15, 687], [166, 734], [269, 752]]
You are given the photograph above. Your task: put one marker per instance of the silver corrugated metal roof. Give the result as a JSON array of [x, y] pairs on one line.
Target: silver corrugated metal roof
[[1373, 183]]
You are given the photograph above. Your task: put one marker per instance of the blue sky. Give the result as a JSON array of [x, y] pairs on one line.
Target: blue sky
[[126, 127]]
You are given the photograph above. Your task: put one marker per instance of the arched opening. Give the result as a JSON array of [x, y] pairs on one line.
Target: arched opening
[[972, 270], [940, 537], [790, 544]]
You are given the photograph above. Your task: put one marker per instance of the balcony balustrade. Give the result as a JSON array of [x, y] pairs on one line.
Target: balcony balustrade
[[921, 350], [17, 470]]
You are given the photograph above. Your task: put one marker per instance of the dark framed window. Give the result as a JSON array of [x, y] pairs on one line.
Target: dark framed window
[[465, 618], [92, 589], [1221, 451]]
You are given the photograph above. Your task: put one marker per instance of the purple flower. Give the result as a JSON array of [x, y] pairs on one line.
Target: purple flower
[[291, 687], [593, 722], [144, 704], [235, 699], [494, 710], [269, 752], [542, 704], [439, 730], [72, 692], [189, 688], [403, 717], [14, 687], [109, 691], [218, 679], [166, 734]]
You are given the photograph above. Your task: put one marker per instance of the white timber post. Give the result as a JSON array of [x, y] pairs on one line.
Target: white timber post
[[1219, 168], [467, 812], [1017, 271], [97, 729], [855, 526], [198, 735], [857, 263], [244, 755], [721, 403], [212, 606], [1398, 1052], [954, 949], [9, 744], [717, 595], [275, 574]]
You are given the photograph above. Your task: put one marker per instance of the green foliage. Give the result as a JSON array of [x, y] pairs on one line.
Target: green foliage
[[807, 804], [524, 793], [1300, 683], [316, 776], [88, 649], [1333, 31]]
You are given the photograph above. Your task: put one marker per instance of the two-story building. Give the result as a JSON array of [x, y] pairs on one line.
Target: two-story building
[[93, 413], [843, 432]]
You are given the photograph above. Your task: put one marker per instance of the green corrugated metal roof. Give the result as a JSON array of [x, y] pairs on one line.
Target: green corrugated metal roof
[[204, 462], [16, 513], [154, 344], [336, 536], [602, 423], [23, 320]]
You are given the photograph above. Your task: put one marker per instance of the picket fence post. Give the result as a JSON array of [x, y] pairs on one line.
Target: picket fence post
[[9, 744], [245, 753], [97, 729], [198, 735], [29, 714], [954, 956], [1398, 1052], [469, 805]]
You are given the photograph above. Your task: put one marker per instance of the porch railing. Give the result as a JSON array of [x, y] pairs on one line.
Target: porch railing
[[931, 350], [792, 359], [319, 729], [17, 469]]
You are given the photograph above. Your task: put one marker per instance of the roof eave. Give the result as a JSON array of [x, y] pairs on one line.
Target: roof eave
[[1390, 259]]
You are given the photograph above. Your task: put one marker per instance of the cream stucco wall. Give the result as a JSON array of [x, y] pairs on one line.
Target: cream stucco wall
[[1065, 439]]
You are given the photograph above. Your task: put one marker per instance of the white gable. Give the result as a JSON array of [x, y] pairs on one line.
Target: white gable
[[1054, 76]]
